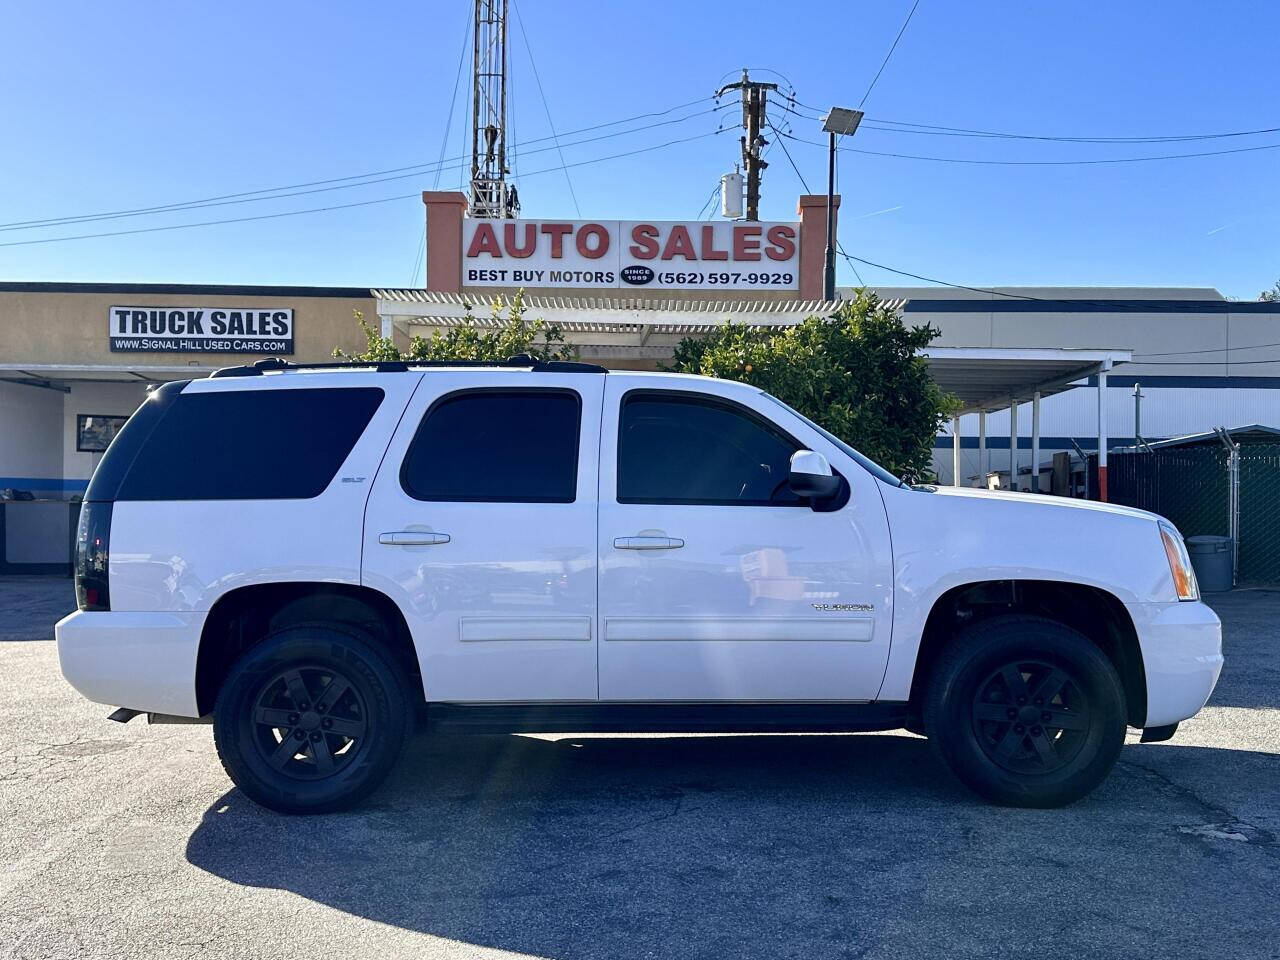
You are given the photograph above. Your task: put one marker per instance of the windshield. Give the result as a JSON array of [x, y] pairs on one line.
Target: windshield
[[877, 471]]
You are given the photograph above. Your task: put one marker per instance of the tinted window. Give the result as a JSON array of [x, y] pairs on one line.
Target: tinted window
[[513, 446], [687, 450], [250, 444], [877, 471]]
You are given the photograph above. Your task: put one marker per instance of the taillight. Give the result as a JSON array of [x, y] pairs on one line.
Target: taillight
[[93, 535]]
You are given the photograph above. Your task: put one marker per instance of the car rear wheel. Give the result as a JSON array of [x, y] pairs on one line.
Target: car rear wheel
[[311, 720], [1026, 711]]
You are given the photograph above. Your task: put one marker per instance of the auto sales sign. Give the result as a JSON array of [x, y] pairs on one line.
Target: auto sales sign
[[153, 329], [627, 254]]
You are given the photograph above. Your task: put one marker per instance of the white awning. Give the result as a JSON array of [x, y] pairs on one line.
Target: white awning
[[627, 329]]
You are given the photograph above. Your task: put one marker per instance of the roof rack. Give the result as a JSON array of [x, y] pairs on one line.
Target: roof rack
[[275, 364]]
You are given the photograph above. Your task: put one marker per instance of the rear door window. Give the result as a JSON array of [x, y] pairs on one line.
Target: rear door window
[[250, 444], [497, 446]]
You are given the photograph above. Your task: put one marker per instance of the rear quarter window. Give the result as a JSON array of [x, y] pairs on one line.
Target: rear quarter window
[[250, 444]]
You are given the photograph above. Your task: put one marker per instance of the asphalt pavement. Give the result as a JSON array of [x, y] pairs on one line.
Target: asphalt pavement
[[128, 841]]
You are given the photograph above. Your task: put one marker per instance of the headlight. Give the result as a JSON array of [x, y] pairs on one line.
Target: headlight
[[1184, 578]]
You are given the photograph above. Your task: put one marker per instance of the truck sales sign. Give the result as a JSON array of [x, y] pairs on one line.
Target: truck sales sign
[[631, 254], [200, 330]]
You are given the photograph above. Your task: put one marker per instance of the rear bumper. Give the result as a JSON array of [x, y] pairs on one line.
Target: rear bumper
[[1181, 655], [146, 661]]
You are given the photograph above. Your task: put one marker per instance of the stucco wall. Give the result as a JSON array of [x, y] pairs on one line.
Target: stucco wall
[[52, 328]]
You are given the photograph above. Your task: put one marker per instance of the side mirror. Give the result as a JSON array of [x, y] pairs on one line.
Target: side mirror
[[811, 476]]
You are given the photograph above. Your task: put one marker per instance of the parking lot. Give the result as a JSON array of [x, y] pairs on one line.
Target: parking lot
[[128, 841]]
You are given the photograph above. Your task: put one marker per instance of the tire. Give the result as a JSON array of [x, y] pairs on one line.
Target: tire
[[983, 718], [348, 736]]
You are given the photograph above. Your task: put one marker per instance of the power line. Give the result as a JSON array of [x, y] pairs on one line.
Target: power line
[[783, 143], [416, 169], [895, 126], [804, 183], [444, 145], [1184, 353], [417, 257], [889, 54], [815, 113], [453, 101], [341, 206], [1111, 305], [1201, 363], [1040, 163], [545, 106], [707, 205]]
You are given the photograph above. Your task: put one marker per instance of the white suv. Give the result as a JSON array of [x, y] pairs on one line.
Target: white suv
[[312, 557]]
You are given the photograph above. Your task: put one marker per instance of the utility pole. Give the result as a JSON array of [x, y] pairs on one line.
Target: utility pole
[[491, 196], [1137, 417], [754, 104]]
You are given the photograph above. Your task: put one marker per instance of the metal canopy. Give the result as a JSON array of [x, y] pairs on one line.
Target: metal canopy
[[987, 378], [63, 373]]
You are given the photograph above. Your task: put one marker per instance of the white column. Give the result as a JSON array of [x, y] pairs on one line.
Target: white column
[[1035, 442], [388, 326], [955, 451], [1013, 444], [982, 448], [1102, 432]]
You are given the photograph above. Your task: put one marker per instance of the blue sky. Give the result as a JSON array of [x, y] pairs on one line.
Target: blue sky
[[132, 104]]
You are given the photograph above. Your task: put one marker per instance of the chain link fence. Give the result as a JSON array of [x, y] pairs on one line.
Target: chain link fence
[[1191, 486], [1259, 513], [1187, 485]]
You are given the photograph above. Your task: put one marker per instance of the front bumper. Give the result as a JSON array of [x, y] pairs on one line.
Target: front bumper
[[145, 661], [1181, 645]]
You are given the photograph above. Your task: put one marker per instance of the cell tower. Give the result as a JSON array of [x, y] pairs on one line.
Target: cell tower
[[491, 196]]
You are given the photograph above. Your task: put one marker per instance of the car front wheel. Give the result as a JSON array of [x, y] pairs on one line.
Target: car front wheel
[[311, 720], [1026, 711]]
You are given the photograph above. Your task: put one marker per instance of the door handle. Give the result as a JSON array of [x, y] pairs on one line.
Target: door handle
[[412, 538], [647, 543]]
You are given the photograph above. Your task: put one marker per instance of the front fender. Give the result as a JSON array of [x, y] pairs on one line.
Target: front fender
[[946, 538]]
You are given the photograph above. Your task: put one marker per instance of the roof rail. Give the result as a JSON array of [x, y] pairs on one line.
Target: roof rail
[[275, 364]]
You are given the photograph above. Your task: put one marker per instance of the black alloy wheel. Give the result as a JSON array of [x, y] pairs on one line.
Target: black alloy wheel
[[1030, 717], [1025, 711], [311, 719]]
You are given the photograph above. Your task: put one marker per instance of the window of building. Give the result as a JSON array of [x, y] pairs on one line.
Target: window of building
[[250, 444], [94, 433], [500, 446], [682, 449]]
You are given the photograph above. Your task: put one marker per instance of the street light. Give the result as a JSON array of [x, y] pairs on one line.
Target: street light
[[843, 122]]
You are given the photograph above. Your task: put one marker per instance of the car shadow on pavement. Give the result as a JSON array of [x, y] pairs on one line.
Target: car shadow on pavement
[[813, 846]]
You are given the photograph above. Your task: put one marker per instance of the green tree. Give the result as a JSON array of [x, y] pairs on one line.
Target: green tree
[[1272, 295], [507, 336], [859, 373]]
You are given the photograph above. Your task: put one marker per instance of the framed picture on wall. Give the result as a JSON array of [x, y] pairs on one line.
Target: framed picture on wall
[[94, 432]]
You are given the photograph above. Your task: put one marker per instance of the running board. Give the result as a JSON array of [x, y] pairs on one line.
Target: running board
[[666, 717]]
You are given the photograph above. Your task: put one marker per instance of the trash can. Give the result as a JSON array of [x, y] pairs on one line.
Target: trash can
[[1211, 560]]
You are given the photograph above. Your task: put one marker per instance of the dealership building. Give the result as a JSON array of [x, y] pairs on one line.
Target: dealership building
[[77, 359]]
